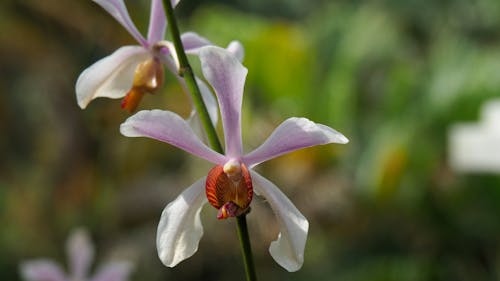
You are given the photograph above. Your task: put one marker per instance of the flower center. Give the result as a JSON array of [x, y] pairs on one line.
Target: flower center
[[229, 189], [148, 78]]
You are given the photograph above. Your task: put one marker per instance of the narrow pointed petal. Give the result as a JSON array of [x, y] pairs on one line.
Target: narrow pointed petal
[[293, 134], [80, 253], [227, 76], [168, 127], [110, 77], [118, 10], [192, 42], [41, 270], [114, 271], [180, 229], [157, 22], [288, 249]]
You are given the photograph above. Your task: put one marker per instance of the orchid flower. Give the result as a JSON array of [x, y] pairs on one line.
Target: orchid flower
[[132, 71], [80, 252], [229, 185]]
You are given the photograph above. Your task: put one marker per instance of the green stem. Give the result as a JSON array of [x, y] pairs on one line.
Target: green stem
[[246, 247], [186, 71]]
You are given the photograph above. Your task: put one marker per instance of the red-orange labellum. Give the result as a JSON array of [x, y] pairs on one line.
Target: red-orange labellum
[[230, 196]]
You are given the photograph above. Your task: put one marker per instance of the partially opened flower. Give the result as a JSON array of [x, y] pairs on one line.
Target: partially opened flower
[[132, 71], [229, 186], [80, 254]]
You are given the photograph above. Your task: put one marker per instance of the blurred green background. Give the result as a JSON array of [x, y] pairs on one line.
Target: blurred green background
[[391, 75]]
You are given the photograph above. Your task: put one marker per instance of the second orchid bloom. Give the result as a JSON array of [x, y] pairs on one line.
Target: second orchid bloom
[[230, 185], [132, 71]]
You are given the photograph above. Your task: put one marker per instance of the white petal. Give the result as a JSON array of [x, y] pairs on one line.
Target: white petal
[[288, 249], [114, 271], [227, 77], [237, 49], [180, 229], [293, 134], [168, 127], [110, 77], [80, 253], [41, 270], [118, 10]]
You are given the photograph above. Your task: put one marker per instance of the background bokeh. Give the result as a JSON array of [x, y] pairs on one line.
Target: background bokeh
[[391, 75]]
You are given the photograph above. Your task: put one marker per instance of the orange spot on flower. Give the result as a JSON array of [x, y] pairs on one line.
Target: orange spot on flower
[[231, 195], [148, 78], [132, 100]]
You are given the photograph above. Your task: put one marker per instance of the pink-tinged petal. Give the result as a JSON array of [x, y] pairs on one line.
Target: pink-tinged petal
[[227, 76], [114, 271], [118, 10], [237, 49], [168, 127], [192, 42], [41, 270], [288, 249], [180, 229], [80, 252], [110, 77], [293, 134], [157, 22]]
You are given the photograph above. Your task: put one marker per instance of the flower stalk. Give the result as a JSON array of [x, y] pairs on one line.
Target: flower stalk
[[246, 247], [186, 72]]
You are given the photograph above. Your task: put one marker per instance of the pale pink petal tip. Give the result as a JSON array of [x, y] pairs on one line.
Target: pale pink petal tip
[[293, 134]]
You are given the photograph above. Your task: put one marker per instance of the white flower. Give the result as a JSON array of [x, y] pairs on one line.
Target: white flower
[[132, 71], [229, 185]]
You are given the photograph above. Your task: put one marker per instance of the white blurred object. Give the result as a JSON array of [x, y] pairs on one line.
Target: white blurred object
[[475, 147]]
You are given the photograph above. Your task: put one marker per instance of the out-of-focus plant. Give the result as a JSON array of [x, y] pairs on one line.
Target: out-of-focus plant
[[80, 253]]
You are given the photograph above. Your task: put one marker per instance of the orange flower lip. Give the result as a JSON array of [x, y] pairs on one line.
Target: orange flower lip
[[230, 193], [148, 78]]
